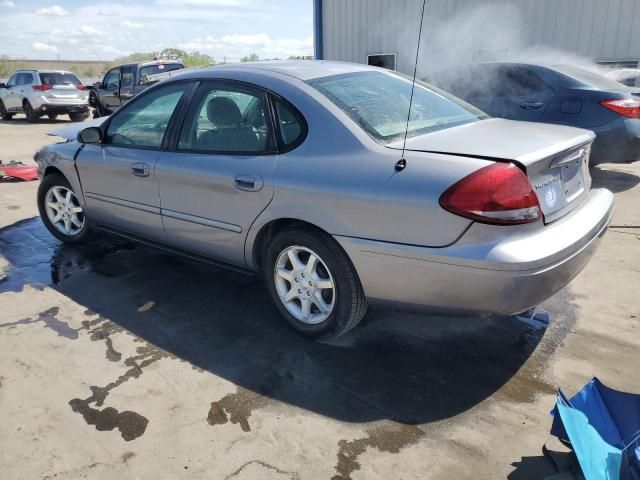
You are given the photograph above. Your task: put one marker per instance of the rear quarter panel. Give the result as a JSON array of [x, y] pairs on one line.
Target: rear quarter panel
[[344, 182]]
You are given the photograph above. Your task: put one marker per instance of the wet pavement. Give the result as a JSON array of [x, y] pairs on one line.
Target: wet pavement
[[120, 361]]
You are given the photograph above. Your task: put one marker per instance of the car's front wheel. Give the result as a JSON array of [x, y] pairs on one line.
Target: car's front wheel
[[4, 115], [313, 283], [61, 211]]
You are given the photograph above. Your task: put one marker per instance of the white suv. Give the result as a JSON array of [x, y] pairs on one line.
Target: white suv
[[44, 92]]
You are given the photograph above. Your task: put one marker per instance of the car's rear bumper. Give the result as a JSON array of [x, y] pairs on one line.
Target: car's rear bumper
[[480, 273], [63, 108], [617, 142]]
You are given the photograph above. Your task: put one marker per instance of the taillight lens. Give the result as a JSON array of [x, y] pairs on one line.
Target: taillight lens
[[41, 88], [499, 194], [627, 107], [81, 87]]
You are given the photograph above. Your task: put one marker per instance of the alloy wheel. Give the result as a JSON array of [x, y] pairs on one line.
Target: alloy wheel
[[304, 284], [64, 210]]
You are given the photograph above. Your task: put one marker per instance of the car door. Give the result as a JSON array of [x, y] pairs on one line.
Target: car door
[[118, 175], [110, 90], [219, 175], [10, 98]]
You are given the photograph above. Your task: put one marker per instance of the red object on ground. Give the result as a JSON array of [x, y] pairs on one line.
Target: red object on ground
[[19, 170]]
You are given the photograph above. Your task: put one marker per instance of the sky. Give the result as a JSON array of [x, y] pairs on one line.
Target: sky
[[103, 30]]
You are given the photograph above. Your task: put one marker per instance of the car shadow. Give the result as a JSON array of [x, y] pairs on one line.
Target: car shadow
[[613, 180], [407, 368]]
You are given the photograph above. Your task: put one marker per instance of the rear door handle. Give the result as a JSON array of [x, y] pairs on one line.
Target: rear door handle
[[140, 169], [531, 105], [248, 182]]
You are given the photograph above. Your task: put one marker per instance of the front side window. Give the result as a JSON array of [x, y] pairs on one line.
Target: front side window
[[227, 119], [112, 79], [144, 122], [57, 78], [379, 103], [13, 80]]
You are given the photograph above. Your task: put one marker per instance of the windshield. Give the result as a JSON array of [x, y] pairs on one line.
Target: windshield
[[57, 78], [589, 78], [158, 68], [379, 103]]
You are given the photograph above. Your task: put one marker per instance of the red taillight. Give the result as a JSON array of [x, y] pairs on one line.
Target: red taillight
[[499, 194], [627, 107], [81, 87], [41, 88]]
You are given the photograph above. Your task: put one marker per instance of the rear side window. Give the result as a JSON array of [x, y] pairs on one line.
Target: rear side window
[[291, 126], [57, 78], [127, 77], [25, 79], [227, 119], [158, 68], [522, 82], [143, 123]]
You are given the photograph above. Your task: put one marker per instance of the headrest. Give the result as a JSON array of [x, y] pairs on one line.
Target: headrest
[[223, 111]]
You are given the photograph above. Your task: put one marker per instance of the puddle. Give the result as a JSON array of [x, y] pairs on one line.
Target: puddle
[[39, 259], [388, 438], [50, 320], [236, 408]]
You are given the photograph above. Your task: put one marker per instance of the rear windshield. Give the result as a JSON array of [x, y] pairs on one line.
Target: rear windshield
[[379, 103], [57, 78], [158, 68], [589, 78]]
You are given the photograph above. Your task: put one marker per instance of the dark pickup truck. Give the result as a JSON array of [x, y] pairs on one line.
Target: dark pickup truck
[[122, 83]]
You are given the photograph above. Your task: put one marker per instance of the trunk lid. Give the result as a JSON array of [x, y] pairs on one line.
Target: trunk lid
[[555, 158]]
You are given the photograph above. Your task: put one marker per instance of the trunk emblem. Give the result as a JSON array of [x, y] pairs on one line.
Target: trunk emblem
[[550, 197]]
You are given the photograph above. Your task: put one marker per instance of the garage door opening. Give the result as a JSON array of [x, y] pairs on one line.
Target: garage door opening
[[384, 60]]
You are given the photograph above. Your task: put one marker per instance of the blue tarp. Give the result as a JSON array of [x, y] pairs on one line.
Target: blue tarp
[[603, 427]]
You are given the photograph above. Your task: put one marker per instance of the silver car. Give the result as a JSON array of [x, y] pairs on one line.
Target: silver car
[[44, 92], [296, 171]]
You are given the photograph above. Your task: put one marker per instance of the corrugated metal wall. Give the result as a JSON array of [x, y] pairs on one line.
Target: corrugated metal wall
[[600, 30]]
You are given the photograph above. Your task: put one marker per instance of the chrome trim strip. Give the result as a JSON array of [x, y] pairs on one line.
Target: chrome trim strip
[[123, 203], [207, 222]]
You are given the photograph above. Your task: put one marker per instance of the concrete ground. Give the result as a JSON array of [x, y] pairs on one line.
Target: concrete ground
[[118, 361]]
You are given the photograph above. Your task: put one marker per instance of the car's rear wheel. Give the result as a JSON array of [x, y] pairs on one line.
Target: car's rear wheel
[[61, 211], [29, 112], [78, 117], [4, 115], [313, 283]]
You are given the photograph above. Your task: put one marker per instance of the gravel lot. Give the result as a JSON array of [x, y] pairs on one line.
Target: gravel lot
[[118, 361]]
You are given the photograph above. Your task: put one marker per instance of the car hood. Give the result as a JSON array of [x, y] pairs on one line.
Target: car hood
[[70, 132], [499, 139]]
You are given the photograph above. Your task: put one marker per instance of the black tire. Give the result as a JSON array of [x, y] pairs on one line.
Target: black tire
[[52, 116], [98, 110], [47, 183], [78, 117], [29, 112], [4, 115], [350, 303]]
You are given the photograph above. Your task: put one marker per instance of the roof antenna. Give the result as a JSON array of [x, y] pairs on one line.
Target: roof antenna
[[402, 163]]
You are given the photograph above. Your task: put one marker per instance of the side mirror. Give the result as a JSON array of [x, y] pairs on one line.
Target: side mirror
[[97, 85], [90, 135]]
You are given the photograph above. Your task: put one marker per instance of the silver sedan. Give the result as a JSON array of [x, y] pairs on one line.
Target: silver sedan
[[316, 176]]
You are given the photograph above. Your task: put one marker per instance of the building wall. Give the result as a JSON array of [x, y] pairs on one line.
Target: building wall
[[465, 30]]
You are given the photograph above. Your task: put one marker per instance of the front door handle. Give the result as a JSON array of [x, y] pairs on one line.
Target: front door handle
[[531, 105], [248, 182], [140, 169]]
